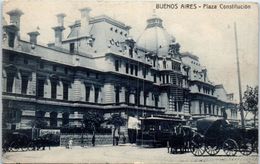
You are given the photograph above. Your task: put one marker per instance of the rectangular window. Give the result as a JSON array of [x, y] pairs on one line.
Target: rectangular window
[[9, 83], [127, 68], [24, 84], [11, 39], [40, 88], [116, 65], [53, 89], [96, 94], [87, 93], [131, 52], [131, 69], [65, 91], [72, 48], [144, 72], [156, 99], [136, 70]]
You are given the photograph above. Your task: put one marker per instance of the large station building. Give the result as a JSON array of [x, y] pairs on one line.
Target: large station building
[[97, 67]]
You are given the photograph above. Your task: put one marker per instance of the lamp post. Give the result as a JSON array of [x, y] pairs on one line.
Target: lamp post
[[239, 79]]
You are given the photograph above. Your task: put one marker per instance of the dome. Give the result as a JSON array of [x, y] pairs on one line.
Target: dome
[[155, 38]]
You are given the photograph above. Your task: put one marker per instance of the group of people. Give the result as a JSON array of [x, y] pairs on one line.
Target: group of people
[[93, 141]]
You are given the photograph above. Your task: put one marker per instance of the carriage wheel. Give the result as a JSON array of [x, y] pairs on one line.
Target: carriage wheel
[[230, 147], [246, 147], [23, 148], [197, 149], [14, 147], [212, 149]]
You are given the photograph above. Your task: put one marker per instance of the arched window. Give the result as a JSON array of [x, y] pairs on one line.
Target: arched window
[[164, 64]]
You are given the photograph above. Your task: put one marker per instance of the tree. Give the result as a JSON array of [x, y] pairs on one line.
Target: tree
[[116, 120], [93, 120], [250, 101]]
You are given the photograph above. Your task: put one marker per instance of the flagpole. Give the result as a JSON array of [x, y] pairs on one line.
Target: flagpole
[[239, 79]]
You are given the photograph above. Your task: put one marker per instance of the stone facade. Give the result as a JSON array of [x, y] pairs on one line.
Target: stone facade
[[98, 67]]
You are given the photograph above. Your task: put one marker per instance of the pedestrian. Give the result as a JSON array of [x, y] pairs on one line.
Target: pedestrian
[[124, 139], [117, 140], [70, 143], [93, 140]]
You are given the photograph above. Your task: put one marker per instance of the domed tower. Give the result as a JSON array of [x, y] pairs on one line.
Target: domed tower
[[164, 51]]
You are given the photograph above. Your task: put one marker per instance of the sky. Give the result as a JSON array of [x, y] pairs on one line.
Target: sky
[[207, 33]]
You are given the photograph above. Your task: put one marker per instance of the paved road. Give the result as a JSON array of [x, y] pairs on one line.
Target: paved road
[[119, 154]]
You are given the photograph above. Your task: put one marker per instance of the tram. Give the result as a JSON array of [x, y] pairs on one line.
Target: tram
[[156, 131]]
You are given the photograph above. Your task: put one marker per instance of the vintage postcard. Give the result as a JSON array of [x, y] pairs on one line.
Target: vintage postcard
[[129, 82]]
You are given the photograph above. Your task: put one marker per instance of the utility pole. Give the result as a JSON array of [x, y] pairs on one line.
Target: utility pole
[[239, 79]]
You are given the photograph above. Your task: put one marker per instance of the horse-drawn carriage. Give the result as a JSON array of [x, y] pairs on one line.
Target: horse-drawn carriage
[[16, 141], [214, 134]]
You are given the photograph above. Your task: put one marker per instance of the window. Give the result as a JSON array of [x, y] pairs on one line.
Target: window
[[167, 79], [127, 68], [87, 93], [136, 70], [53, 119], [9, 83], [11, 39], [72, 48], [116, 65], [154, 62], [131, 69], [97, 76], [156, 100], [131, 52], [40, 88], [154, 78], [96, 95], [117, 94], [144, 72], [24, 84], [65, 118], [53, 89], [164, 64], [65, 91]]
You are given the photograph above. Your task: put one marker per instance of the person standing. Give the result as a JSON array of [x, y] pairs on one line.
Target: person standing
[[93, 140]]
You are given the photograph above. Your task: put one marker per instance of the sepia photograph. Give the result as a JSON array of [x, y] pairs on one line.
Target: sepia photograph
[[129, 82]]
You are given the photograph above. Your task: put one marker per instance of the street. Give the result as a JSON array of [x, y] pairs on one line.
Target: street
[[119, 154]]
